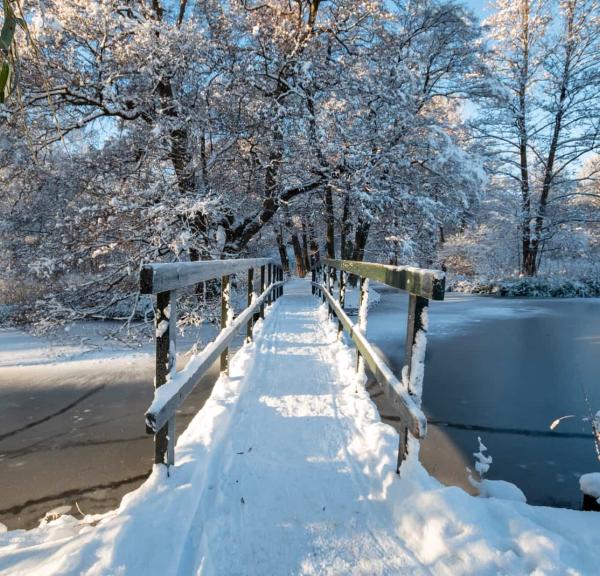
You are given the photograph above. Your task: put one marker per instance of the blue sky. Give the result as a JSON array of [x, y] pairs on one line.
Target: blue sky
[[480, 7]]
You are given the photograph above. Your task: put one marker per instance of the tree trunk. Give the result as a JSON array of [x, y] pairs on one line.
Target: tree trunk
[[529, 257], [330, 220], [528, 263], [552, 151], [300, 269], [314, 251], [360, 240], [285, 264], [305, 253], [360, 243], [345, 228]]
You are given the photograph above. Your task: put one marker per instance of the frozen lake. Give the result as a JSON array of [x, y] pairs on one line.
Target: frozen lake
[[72, 430], [504, 369]]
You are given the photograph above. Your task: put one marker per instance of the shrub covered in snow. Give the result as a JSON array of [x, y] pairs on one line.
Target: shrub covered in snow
[[492, 488], [541, 287]]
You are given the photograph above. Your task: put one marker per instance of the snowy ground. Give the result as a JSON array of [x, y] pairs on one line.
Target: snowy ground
[[19, 348], [289, 470]]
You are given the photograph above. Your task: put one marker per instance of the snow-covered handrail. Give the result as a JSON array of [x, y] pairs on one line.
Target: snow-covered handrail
[[155, 278], [410, 411], [404, 393], [170, 387], [171, 395], [418, 281]]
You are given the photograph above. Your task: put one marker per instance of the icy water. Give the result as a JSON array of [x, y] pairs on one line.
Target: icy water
[[72, 434], [504, 369]]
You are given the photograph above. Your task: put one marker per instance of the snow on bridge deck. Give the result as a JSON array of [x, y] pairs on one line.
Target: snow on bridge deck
[[288, 470]]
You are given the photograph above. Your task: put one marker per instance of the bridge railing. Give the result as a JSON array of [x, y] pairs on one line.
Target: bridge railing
[[404, 393], [172, 387]]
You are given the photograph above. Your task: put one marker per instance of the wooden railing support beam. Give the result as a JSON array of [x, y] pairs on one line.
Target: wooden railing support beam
[[341, 299], [225, 312], [166, 330], [422, 285], [250, 294], [262, 289]]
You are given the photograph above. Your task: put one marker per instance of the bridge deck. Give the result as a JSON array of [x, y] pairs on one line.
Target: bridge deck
[[296, 485]]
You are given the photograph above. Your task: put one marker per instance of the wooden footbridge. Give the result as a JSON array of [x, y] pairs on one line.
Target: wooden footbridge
[[329, 281]]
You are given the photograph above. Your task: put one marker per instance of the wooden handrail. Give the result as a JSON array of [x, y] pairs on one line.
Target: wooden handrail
[[404, 402], [155, 278], [418, 281], [177, 388], [172, 388], [422, 285]]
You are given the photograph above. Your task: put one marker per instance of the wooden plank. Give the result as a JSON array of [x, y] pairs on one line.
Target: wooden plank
[[419, 281], [414, 323], [280, 278], [363, 305], [156, 418], [156, 278], [342, 298], [269, 281], [406, 406]]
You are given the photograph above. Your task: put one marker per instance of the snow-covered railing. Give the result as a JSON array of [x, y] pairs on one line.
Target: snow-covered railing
[[171, 388], [422, 285]]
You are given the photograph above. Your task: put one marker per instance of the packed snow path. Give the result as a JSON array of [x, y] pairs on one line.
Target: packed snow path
[[288, 470], [294, 486]]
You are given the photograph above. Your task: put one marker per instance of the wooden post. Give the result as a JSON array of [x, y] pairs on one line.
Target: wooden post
[[330, 273], [363, 303], [313, 276], [280, 278], [166, 357], [320, 277], [414, 323], [590, 503], [273, 280], [225, 311], [262, 289], [250, 295], [342, 299], [323, 279], [269, 280]]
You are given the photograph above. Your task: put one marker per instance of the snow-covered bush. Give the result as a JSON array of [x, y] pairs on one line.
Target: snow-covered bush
[[492, 488], [539, 286]]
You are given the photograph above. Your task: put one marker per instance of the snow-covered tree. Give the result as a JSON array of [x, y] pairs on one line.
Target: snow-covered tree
[[543, 116], [175, 130]]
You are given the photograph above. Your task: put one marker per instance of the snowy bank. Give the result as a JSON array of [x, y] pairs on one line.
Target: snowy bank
[[539, 287]]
